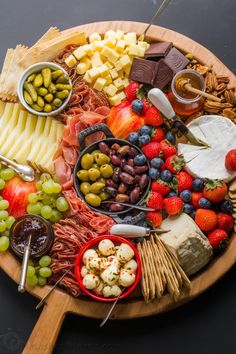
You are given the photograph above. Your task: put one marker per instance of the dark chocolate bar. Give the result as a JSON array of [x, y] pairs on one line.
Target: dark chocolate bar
[[143, 71], [158, 50], [176, 60], [164, 75]]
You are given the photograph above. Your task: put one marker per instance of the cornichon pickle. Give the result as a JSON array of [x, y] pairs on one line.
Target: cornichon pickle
[[40, 101], [47, 77], [52, 88], [27, 98], [31, 90], [36, 107], [31, 78], [56, 74], [57, 102], [62, 94], [48, 108], [38, 81], [48, 97], [61, 87], [63, 79], [42, 91]]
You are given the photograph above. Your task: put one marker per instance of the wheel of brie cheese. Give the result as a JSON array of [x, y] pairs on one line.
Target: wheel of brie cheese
[[220, 134]]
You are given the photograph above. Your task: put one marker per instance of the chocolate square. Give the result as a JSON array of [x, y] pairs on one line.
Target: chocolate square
[[176, 60], [164, 75], [143, 70], [158, 50]]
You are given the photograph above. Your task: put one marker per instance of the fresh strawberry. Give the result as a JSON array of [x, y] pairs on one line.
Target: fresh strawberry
[[174, 163], [158, 134], [167, 148], [131, 91], [153, 117], [218, 239], [206, 219], [154, 218], [161, 187], [225, 222], [155, 200], [215, 190], [173, 205], [230, 160], [146, 105], [196, 196], [184, 181], [151, 149]]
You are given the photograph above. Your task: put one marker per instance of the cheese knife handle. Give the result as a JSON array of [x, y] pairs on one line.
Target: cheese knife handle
[[160, 101], [129, 231]]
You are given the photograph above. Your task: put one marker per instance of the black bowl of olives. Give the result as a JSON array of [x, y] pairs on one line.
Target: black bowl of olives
[[110, 170]]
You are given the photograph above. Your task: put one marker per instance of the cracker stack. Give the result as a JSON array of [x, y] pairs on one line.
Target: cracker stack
[[232, 196]]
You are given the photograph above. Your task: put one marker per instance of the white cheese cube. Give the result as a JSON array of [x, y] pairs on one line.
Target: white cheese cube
[[81, 68], [94, 73], [143, 44], [99, 84], [118, 83], [104, 71], [127, 69], [86, 61], [119, 34], [70, 61], [109, 65], [121, 73], [111, 42], [118, 65], [114, 73], [115, 100], [96, 60], [125, 60], [111, 90], [125, 82], [141, 51], [79, 53], [94, 37], [110, 34], [133, 50], [88, 78], [120, 45], [108, 79], [97, 45], [130, 38], [110, 54], [88, 49]]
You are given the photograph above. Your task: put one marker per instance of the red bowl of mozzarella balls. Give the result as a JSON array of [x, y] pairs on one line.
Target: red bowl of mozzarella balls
[[107, 266]]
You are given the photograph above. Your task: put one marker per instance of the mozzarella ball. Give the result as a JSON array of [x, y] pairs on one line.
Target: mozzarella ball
[[106, 247], [83, 271], [99, 289], [111, 291], [111, 260], [124, 253], [89, 254], [93, 265], [110, 275], [131, 266], [91, 281], [126, 278]]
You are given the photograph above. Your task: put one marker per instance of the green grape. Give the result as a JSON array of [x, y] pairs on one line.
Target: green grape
[[32, 281], [6, 233], [31, 263], [9, 221], [7, 174], [45, 272], [56, 216], [48, 200], [32, 198], [46, 211], [4, 204], [45, 176], [4, 243], [57, 188], [3, 215], [3, 226], [34, 208], [30, 271], [45, 261], [48, 186], [2, 183], [42, 281], [39, 185], [62, 204]]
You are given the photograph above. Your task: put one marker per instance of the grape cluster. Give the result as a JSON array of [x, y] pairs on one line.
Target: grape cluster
[[38, 271], [47, 201]]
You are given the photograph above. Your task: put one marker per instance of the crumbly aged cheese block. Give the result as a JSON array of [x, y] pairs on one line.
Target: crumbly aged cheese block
[[220, 133], [187, 242]]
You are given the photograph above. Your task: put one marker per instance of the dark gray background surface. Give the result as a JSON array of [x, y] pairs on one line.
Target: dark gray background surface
[[207, 325]]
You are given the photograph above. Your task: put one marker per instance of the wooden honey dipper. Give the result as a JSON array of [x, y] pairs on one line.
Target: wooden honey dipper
[[184, 85]]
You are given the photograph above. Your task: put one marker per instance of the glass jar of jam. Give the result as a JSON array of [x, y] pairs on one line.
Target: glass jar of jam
[[186, 103]]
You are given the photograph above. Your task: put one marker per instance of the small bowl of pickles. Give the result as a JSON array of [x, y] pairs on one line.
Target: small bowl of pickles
[[44, 89]]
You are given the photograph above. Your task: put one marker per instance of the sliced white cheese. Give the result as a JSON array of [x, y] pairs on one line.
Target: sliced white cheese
[[220, 133], [187, 242]]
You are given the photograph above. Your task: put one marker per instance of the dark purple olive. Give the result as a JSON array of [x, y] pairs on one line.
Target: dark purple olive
[[111, 153], [122, 188], [122, 198], [110, 183], [123, 163], [111, 191], [124, 150], [133, 152], [140, 169], [116, 175], [143, 182], [126, 178], [134, 195], [104, 148], [130, 170], [115, 147], [131, 162], [115, 160], [137, 179], [116, 207]]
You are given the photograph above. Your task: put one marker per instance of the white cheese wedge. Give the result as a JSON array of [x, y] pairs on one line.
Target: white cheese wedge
[[187, 242], [220, 133]]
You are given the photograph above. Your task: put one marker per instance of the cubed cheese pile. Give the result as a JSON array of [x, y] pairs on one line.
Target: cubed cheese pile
[[106, 63]]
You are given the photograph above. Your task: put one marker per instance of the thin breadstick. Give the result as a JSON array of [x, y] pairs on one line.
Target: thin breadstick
[[155, 271], [145, 289], [157, 264], [150, 275]]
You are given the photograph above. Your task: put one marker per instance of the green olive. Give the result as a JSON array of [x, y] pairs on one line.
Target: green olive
[[102, 159], [101, 180], [94, 174], [97, 187], [94, 152], [95, 165], [106, 171], [104, 195], [87, 161], [83, 175], [93, 199], [85, 187]]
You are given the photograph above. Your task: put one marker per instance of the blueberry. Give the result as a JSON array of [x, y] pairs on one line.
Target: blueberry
[[166, 176], [186, 195], [133, 138], [154, 173], [157, 162], [204, 203], [139, 239], [188, 208], [170, 136], [144, 139], [227, 207], [145, 129], [198, 185], [140, 160], [193, 214], [171, 194], [137, 106]]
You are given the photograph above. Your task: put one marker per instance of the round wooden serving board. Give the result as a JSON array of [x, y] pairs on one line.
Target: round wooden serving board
[[45, 332]]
